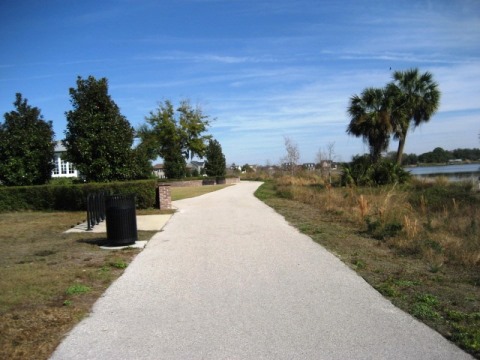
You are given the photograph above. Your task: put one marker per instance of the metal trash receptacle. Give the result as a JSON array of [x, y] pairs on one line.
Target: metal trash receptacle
[[121, 219]]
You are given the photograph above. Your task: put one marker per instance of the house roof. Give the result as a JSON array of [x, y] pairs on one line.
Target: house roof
[[158, 167], [59, 147], [198, 163]]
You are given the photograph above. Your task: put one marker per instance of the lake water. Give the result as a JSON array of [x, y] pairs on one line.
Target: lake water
[[452, 172]]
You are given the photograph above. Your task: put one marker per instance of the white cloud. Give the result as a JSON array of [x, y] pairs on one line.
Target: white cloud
[[205, 57]]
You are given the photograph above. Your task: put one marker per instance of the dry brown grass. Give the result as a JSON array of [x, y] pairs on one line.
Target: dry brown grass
[[362, 207], [410, 226], [306, 179], [452, 228]]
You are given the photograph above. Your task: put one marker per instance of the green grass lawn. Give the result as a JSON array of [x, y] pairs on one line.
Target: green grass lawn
[[179, 193]]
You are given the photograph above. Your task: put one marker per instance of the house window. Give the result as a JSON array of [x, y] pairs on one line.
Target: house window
[[63, 166], [56, 170], [71, 169]]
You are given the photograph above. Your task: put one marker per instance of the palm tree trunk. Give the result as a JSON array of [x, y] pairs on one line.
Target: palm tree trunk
[[401, 145]]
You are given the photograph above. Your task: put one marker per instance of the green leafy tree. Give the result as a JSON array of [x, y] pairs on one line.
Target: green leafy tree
[[195, 173], [466, 154], [162, 138], [98, 138], [409, 159], [438, 155], [185, 126], [370, 119], [26, 146], [192, 124], [215, 164], [416, 98], [168, 133], [174, 165], [247, 168], [160, 134], [140, 165]]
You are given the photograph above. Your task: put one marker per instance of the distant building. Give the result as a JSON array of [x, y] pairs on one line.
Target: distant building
[[309, 166], [235, 168], [248, 168], [286, 166], [199, 166], [327, 164], [159, 171], [62, 168]]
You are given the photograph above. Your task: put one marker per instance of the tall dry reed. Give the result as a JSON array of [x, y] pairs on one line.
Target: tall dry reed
[[362, 206], [440, 234]]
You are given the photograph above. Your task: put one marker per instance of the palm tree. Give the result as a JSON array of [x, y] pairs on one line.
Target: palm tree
[[370, 119], [415, 99]]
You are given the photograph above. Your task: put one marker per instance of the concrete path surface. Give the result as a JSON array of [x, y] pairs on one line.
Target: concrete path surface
[[228, 278]]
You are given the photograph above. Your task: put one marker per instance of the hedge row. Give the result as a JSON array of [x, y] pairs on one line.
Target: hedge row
[[72, 197]]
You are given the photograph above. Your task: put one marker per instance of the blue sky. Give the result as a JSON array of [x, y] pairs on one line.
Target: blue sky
[[264, 69]]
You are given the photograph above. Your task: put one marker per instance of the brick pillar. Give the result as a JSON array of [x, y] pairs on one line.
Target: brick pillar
[[164, 198]]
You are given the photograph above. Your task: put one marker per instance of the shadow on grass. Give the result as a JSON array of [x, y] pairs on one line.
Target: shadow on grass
[[101, 241]]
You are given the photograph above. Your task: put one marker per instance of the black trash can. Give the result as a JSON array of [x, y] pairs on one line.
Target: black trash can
[[121, 219]]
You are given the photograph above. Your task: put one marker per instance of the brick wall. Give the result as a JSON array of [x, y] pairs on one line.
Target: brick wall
[[164, 197], [232, 180], [186, 183]]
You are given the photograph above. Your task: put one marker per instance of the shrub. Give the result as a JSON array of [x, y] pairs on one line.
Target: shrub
[[382, 231], [361, 171], [72, 197]]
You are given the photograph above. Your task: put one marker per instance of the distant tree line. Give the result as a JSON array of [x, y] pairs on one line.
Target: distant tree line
[[438, 156], [100, 141], [361, 171]]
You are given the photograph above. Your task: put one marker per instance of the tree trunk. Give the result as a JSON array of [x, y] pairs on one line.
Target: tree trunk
[[401, 145]]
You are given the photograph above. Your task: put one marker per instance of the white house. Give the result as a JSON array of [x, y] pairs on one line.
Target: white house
[[62, 168], [327, 164], [197, 165], [309, 166], [158, 171]]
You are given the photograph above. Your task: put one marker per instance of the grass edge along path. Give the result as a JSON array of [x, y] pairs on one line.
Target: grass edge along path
[[447, 300]]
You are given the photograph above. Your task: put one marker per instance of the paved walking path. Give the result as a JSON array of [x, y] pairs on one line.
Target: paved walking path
[[228, 278]]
